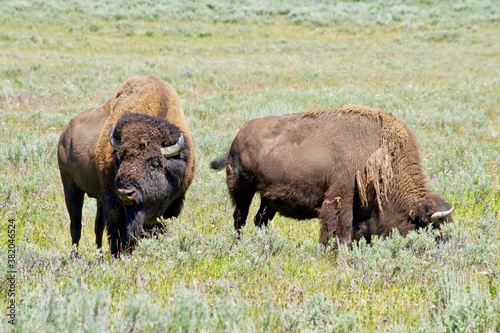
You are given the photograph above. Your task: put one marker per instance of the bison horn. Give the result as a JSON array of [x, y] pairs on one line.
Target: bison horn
[[113, 140], [439, 215], [175, 149]]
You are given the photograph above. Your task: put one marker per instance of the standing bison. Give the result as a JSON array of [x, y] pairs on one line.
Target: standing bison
[[356, 168], [134, 155]]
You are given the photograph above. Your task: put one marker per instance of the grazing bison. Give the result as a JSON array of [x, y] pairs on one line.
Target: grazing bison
[[134, 155], [356, 168]]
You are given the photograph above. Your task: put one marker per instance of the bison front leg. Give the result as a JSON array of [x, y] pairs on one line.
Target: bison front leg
[[114, 215], [99, 225], [336, 219], [118, 239]]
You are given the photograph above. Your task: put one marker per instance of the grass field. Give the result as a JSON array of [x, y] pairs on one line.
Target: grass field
[[434, 65]]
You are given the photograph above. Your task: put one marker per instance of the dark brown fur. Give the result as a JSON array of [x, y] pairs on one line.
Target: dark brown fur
[[88, 163], [356, 168]]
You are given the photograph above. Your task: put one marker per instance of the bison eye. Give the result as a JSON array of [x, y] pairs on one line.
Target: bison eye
[[154, 164]]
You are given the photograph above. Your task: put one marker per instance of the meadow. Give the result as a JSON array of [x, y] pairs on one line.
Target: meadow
[[433, 64]]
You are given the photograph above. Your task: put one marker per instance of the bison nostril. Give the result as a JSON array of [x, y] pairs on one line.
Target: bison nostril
[[127, 195]]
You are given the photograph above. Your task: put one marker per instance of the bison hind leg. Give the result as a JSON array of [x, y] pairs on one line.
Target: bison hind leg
[[74, 203], [242, 205], [265, 214], [242, 193], [241, 189]]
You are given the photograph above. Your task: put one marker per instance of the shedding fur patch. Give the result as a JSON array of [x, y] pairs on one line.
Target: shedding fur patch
[[373, 184], [395, 165]]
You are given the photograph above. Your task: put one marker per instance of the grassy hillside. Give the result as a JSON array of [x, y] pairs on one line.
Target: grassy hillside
[[434, 65]]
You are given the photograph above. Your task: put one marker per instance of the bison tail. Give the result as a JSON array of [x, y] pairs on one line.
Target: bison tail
[[220, 161]]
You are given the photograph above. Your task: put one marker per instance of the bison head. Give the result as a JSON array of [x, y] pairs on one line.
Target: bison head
[[150, 158], [432, 210]]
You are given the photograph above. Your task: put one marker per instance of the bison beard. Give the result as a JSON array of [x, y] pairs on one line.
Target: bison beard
[[356, 168]]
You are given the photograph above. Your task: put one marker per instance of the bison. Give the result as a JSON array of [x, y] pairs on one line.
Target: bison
[[356, 168], [134, 155]]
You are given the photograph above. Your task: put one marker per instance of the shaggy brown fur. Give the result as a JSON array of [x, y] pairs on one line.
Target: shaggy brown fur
[[146, 95], [356, 168]]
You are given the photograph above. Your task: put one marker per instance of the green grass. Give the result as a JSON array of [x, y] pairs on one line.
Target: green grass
[[433, 65]]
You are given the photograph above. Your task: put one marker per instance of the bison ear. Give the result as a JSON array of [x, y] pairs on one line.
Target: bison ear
[[175, 149], [113, 140]]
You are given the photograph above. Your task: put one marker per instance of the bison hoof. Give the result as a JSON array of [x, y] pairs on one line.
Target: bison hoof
[[74, 254]]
